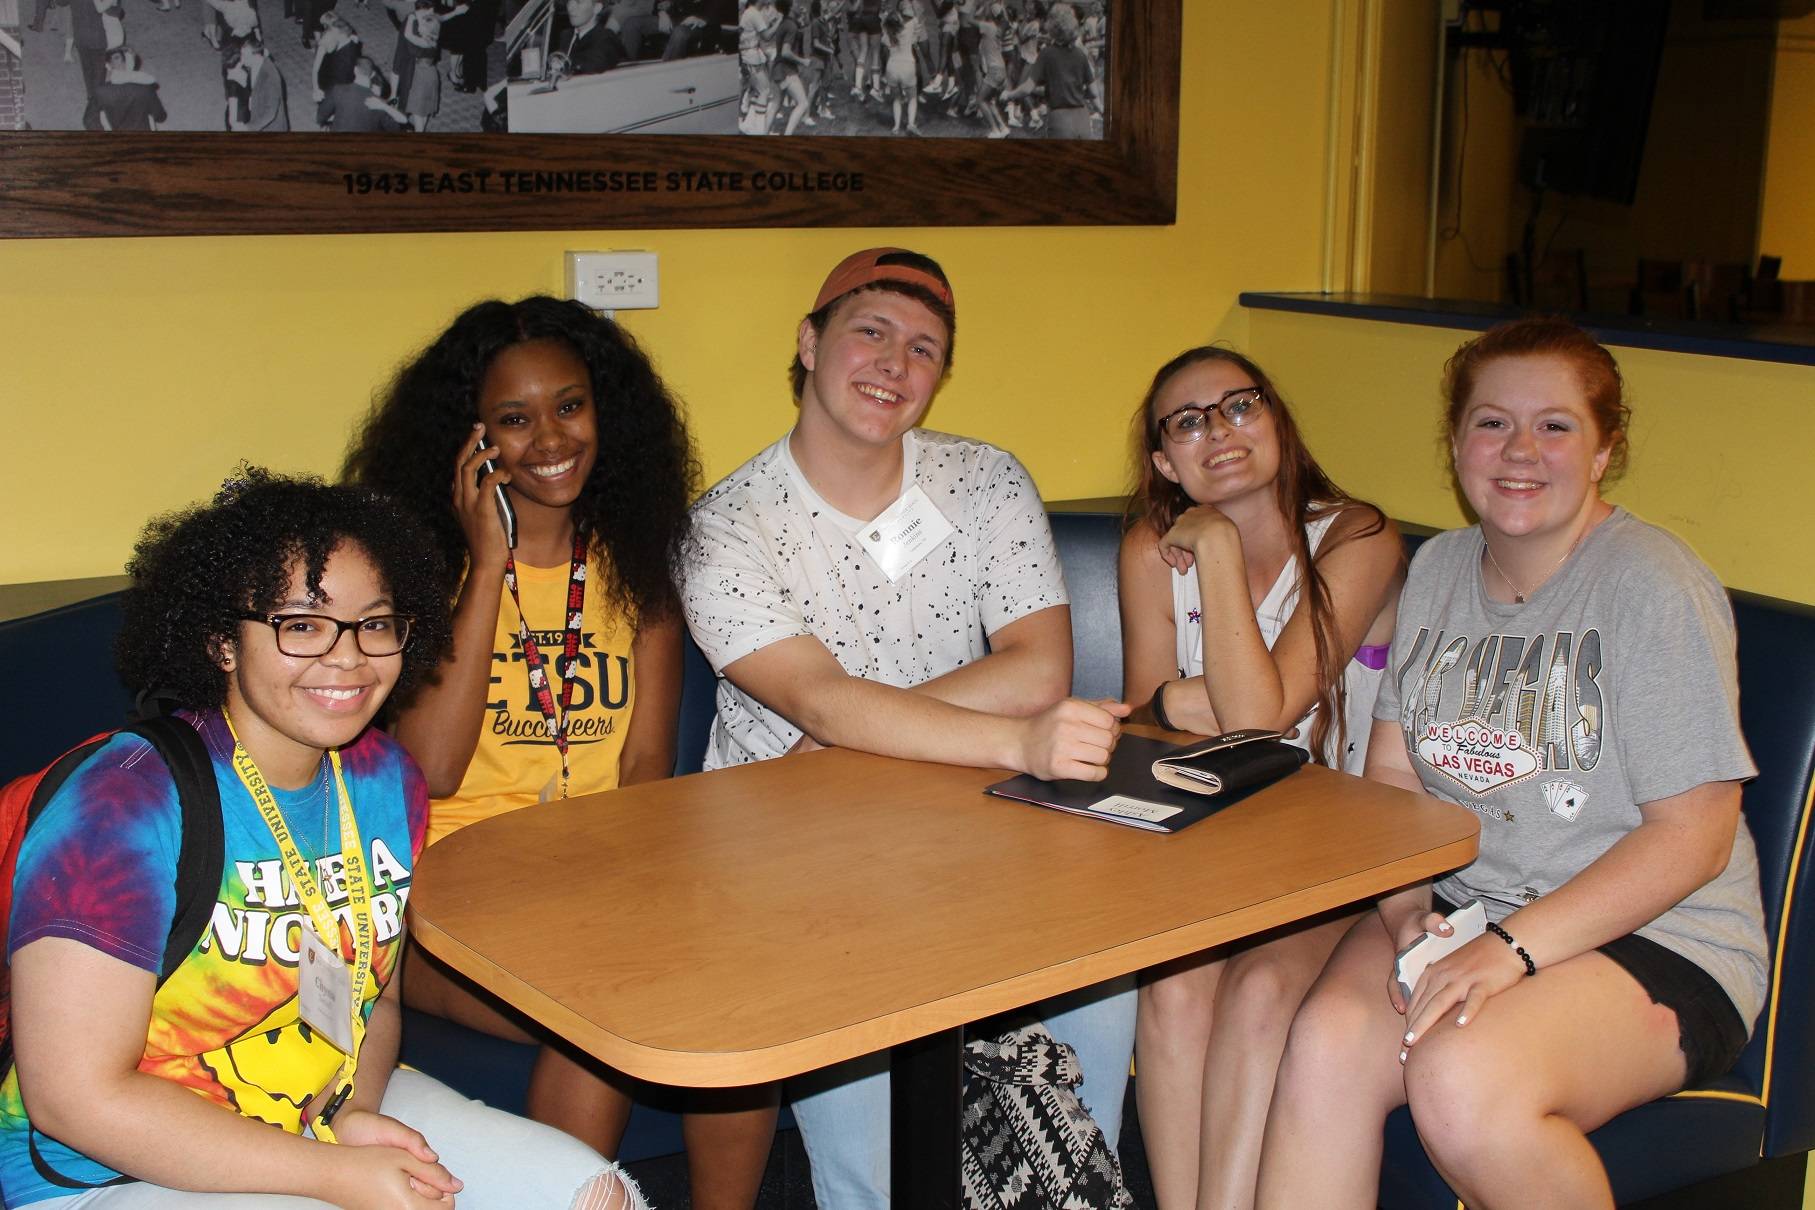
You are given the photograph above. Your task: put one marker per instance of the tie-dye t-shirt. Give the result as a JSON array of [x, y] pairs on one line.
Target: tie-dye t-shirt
[[99, 867]]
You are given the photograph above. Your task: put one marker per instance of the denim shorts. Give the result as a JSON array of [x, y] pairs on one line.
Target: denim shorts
[[1709, 1029]]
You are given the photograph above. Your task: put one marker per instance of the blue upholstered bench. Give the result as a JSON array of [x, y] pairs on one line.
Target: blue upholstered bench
[[1707, 1142]]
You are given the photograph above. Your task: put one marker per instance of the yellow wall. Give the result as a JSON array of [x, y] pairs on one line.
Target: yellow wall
[[1787, 228], [137, 371], [1480, 175], [1728, 480], [1398, 201]]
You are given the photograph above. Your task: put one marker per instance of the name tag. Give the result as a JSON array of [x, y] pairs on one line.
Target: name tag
[[324, 992], [904, 533]]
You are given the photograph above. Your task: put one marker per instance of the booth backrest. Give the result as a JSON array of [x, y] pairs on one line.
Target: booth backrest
[[1088, 542], [1777, 713], [699, 706], [59, 667]]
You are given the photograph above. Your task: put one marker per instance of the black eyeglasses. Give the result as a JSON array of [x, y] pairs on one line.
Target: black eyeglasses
[[308, 635], [1192, 421]]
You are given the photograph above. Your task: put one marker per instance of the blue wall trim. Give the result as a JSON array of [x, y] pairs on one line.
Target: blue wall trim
[[1781, 343]]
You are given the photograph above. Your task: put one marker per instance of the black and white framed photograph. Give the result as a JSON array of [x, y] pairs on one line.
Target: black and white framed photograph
[[993, 69], [224, 116]]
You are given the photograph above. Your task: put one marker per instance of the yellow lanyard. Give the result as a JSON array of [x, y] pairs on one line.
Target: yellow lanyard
[[316, 904]]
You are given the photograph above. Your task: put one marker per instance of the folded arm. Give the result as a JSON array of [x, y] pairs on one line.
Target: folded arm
[[1028, 668], [800, 679]]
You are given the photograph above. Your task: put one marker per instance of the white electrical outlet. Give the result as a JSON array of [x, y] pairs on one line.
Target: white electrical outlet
[[613, 281]]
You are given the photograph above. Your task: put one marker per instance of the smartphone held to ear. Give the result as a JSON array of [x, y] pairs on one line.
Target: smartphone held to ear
[[507, 516], [1466, 923]]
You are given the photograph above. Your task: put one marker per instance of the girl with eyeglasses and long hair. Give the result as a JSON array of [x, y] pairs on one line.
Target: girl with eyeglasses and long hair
[[152, 1069], [1254, 593], [565, 673]]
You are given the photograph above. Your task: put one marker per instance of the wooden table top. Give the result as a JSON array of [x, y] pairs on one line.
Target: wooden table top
[[754, 923]]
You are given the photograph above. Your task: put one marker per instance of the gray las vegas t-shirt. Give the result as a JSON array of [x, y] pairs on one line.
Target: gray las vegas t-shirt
[[1614, 685]]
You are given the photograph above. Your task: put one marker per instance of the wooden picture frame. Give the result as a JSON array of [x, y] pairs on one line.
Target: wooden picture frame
[[68, 183]]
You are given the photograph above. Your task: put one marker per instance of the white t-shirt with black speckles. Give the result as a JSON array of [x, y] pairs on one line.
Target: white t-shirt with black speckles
[[771, 560]]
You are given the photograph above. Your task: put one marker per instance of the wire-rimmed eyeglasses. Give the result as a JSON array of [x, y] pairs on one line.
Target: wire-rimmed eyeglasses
[[1192, 421]]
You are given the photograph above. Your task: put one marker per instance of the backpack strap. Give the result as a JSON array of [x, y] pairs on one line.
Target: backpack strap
[[198, 864]]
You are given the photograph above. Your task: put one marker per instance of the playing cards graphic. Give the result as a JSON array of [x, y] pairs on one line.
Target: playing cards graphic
[[1564, 798]]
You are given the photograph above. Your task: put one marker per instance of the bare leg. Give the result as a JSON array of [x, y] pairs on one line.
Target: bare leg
[[431, 987], [1503, 1103], [798, 91], [566, 1091], [768, 98], [1171, 1039], [580, 1096], [1339, 1079], [728, 1137], [1261, 988]]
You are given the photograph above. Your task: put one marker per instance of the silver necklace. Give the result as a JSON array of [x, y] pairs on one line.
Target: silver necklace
[[1518, 594], [327, 784]]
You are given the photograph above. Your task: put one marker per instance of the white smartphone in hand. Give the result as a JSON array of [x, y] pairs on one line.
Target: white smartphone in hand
[[1466, 923], [507, 516]]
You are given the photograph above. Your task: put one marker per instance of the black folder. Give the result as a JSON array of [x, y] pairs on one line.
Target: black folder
[[1132, 796]]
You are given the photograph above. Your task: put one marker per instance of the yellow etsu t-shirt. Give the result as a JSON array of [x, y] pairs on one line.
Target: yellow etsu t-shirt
[[516, 763]]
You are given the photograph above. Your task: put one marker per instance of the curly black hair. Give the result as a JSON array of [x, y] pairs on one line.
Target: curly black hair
[[633, 505], [195, 571]]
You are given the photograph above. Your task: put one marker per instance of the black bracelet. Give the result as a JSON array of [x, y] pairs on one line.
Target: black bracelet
[[1531, 968], [1158, 706]]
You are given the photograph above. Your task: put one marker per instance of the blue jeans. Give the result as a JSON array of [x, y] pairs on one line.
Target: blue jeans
[[843, 1111]]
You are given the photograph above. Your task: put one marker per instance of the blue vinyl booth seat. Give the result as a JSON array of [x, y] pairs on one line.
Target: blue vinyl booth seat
[[1764, 1108]]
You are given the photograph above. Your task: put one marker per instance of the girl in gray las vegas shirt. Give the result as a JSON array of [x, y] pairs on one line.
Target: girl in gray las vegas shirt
[[1552, 720], [1566, 672]]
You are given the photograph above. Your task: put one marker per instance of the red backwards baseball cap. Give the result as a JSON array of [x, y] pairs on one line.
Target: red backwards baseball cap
[[862, 269]]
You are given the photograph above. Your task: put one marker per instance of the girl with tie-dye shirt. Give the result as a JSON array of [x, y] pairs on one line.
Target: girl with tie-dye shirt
[[279, 619]]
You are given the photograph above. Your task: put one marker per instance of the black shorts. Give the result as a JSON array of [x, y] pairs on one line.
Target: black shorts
[[1709, 1029]]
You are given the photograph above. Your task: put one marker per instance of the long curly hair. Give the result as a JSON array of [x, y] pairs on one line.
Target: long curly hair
[[633, 507], [195, 571], [1302, 489]]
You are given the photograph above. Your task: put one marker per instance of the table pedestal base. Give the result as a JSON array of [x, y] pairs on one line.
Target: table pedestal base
[[926, 1100]]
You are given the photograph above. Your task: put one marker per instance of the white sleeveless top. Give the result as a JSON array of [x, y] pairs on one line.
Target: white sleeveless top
[[1360, 681]]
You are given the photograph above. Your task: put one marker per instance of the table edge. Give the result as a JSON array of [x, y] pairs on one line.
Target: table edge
[[727, 1069]]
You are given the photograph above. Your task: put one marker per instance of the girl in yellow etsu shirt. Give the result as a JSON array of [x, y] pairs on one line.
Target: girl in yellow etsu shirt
[[546, 419], [515, 762]]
